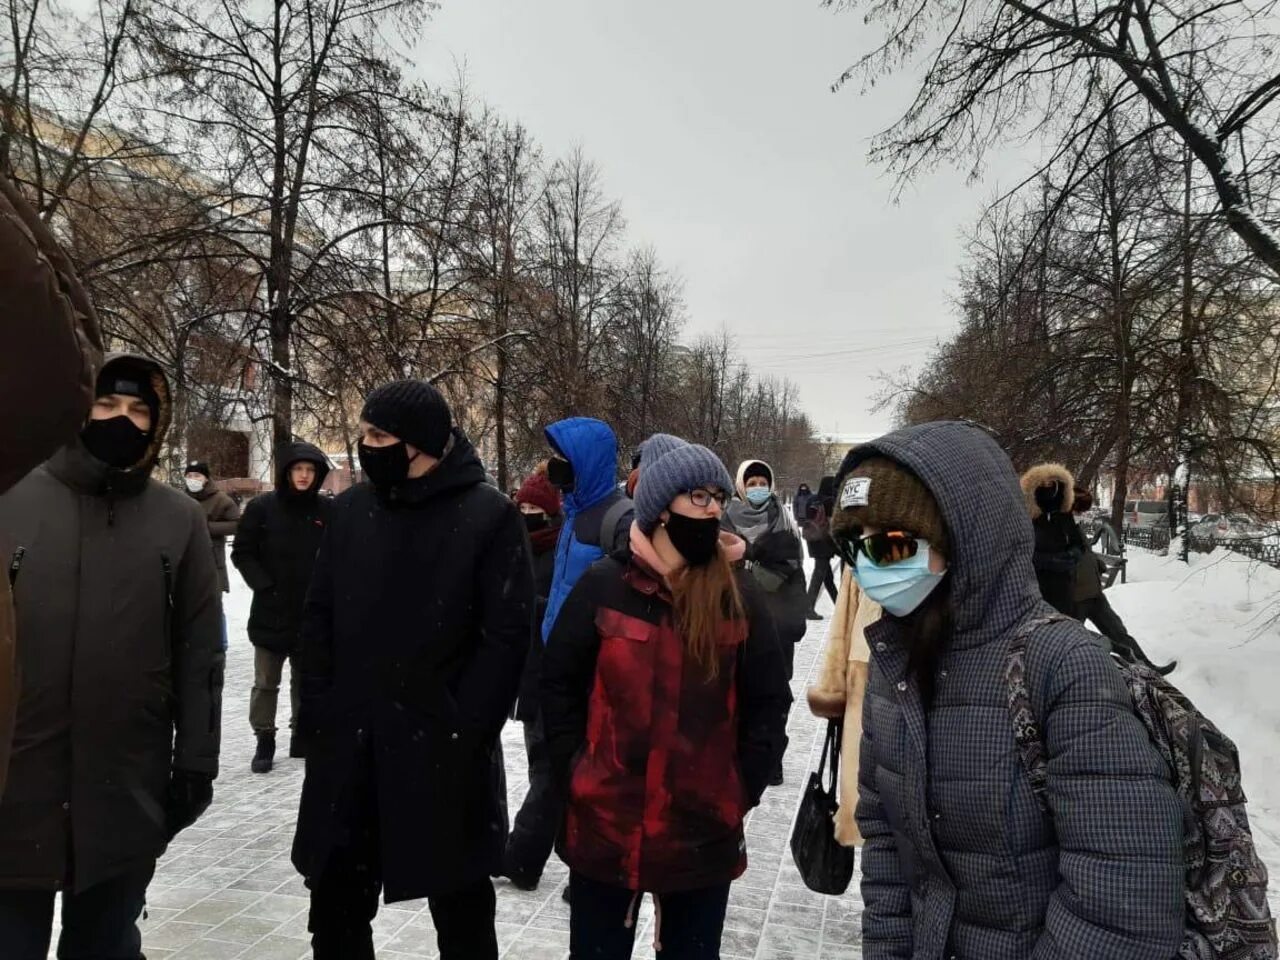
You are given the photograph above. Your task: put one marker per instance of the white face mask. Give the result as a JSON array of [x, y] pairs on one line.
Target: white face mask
[[194, 483]]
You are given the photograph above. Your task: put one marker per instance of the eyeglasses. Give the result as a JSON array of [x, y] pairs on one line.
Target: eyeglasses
[[882, 549], [702, 497]]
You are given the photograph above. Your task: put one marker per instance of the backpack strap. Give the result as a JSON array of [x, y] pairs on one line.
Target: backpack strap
[[1026, 730], [609, 524]]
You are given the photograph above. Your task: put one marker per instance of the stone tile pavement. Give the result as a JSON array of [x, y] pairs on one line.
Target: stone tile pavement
[[226, 889]]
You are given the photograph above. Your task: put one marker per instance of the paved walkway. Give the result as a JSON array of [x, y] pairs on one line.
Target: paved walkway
[[226, 888]]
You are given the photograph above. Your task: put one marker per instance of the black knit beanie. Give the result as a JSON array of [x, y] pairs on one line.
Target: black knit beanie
[[412, 410], [129, 377], [199, 466]]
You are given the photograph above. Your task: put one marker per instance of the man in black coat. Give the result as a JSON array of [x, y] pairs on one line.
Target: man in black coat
[[415, 632], [275, 550]]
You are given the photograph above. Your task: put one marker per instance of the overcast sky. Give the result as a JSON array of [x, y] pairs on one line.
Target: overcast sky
[[713, 123]]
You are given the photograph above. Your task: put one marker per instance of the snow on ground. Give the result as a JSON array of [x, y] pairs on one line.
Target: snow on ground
[[1219, 616]]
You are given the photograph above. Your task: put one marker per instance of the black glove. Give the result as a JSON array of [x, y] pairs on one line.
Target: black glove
[[189, 796]]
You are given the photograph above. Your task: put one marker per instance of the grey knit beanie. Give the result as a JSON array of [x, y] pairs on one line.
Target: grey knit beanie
[[653, 449], [679, 470]]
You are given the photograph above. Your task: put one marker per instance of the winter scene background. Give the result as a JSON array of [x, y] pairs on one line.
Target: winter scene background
[[776, 230]]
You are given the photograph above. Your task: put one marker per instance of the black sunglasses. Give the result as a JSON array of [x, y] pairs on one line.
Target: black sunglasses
[[882, 549]]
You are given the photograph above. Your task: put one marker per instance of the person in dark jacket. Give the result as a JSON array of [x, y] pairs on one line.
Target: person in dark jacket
[[665, 701], [801, 502], [774, 557], [1092, 605], [533, 834], [48, 369], [414, 634], [275, 550], [1049, 492], [959, 859], [220, 511], [597, 515], [119, 641], [816, 530]]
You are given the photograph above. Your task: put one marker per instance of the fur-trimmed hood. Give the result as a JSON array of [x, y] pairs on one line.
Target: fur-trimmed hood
[[1041, 474]]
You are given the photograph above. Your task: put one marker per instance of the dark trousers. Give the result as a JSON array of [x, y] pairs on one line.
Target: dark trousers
[[100, 923], [692, 922], [344, 898], [822, 577], [534, 833], [1098, 611]]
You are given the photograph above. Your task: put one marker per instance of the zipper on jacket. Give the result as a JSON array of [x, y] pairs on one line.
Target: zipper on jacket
[[15, 565], [167, 566]]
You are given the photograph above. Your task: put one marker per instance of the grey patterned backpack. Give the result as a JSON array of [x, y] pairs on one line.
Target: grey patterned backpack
[[1227, 913]]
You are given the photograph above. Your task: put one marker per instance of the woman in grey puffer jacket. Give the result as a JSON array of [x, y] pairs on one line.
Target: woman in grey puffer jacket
[[960, 863]]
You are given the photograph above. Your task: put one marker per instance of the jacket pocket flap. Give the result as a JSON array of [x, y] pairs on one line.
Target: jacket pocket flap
[[611, 623]]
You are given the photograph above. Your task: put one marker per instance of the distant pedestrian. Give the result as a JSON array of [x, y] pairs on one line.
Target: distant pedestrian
[[959, 858], [275, 551], [774, 557], [665, 701], [222, 514], [115, 746], [533, 833], [416, 626], [1049, 492], [801, 502], [816, 529]]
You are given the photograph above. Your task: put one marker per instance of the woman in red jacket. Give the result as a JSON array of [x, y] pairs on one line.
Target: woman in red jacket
[[665, 701]]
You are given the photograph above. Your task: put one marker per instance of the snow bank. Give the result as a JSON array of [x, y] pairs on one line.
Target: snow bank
[[1220, 617]]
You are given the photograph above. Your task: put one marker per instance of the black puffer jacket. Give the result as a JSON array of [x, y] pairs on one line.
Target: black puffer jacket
[[414, 634], [120, 649], [275, 550], [543, 545]]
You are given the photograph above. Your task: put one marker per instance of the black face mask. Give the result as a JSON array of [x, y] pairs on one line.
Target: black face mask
[[696, 540], [534, 522], [560, 473], [386, 467], [117, 442]]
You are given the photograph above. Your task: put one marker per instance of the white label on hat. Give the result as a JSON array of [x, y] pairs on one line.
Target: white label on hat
[[856, 492]]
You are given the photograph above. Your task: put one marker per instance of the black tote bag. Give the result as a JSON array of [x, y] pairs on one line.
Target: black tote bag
[[825, 865]]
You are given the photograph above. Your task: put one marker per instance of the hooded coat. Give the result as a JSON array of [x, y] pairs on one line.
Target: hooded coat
[[774, 555], [121, 676], [48, 367], [275, 550], [959, 861], [592, 449], [414, 634], [1059, 547], [222, 515]]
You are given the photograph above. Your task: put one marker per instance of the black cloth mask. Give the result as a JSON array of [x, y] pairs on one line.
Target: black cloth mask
[[386, 467], [560, 473], [536, 521], [117, 441], [696, 540], [1049, 498]]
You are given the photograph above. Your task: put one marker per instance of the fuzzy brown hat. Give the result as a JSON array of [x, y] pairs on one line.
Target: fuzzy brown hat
[[881, 493]]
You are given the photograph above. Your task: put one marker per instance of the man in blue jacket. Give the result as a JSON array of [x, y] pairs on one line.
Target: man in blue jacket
[[597, 520]]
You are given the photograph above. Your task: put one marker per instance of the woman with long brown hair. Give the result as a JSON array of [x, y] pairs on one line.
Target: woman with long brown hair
[[665, 703]]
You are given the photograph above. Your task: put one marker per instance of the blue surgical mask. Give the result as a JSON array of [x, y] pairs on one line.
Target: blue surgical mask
[[759, 496], [900, 587]]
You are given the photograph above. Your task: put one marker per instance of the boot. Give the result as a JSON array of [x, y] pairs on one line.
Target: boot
[[1130, 650], [813, 614], [266, 754]]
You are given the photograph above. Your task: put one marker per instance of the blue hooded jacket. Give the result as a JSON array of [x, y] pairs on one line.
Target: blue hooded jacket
[[592, 448]]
